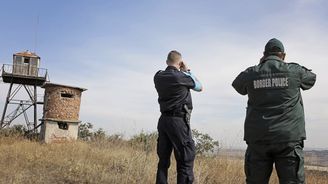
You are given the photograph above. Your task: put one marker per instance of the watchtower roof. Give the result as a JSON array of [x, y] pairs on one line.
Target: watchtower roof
[[27, 54], [48, 84]]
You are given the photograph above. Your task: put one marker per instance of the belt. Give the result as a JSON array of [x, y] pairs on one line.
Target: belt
[[174, 114]]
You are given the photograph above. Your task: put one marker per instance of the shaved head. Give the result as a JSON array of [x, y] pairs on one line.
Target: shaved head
[[173, 57]]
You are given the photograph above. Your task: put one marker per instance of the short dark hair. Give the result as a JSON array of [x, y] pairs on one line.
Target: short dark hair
[[173, 56]]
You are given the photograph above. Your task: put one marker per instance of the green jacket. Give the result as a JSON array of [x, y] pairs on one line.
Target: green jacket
[[275, 110]]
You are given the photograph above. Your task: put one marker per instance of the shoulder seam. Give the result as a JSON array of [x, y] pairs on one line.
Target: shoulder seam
[[294, 63], [159, 72]]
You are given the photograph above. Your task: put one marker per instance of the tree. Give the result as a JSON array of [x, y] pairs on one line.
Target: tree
[[85, 131], [100, 134], [205, 144]]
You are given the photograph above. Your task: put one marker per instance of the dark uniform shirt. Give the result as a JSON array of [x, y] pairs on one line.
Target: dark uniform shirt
[[173, 87], [275, 108]]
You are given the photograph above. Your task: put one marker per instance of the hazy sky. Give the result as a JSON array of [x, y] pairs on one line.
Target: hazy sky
[[114, 48]]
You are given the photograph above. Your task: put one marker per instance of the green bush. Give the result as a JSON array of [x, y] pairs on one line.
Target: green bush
[[146, 141], [205, 144], [86, 133], [15, 130]]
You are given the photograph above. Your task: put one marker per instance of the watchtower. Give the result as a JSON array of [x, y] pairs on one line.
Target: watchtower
[[23, 75], [60, 112]]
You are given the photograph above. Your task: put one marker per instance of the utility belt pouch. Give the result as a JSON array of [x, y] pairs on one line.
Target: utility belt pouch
[[187, 115]]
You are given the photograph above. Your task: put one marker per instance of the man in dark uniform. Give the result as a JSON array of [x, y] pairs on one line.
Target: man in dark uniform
[[274, 124], [173, 87]]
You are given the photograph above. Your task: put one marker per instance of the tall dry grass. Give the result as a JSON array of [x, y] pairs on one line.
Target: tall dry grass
[[24, 161]]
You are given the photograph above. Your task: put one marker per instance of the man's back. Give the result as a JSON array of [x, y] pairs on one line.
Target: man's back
[[173, 87], [275, 108], [274, 124]]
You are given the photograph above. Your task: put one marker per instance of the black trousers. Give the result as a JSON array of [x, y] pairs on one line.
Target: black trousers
[[175, 134], [287, 157]]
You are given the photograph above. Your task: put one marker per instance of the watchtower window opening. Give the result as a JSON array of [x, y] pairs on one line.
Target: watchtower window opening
[[62, 125], [66, 95], [18, 59], [26, 60]]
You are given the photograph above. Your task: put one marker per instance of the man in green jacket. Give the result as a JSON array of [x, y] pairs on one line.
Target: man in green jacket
[[274, 124]]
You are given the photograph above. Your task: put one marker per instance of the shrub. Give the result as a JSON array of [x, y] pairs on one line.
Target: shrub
[[146, 141], [15, 131], [205, 144], [85, 131]]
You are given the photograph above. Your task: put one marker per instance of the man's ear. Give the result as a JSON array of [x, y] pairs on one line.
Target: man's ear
[[283, 55]]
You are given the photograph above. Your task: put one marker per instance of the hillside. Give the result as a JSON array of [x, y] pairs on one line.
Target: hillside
[[104, 161]]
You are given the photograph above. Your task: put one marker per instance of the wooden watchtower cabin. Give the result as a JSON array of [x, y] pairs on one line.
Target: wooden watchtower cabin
[[23, 74]]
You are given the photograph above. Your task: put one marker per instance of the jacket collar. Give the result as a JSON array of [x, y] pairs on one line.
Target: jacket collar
[[171, 68]]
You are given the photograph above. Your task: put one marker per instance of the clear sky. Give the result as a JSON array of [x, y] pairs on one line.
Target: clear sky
[[114, 48]]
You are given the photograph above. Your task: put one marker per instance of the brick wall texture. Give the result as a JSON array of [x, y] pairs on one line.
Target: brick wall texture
[[62, 107]]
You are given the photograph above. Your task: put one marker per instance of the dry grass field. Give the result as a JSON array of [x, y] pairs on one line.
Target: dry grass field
[[24, 161]]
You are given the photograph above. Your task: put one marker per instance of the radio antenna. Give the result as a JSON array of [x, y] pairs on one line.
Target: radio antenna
[[36, 34]]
